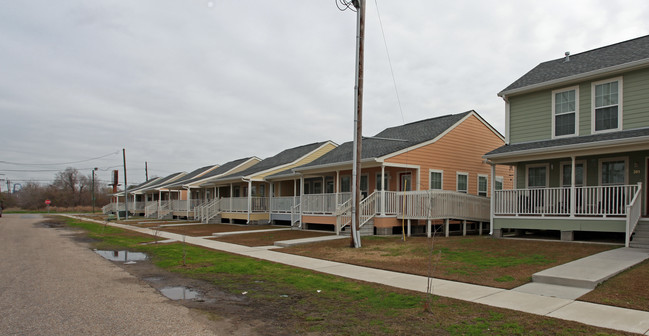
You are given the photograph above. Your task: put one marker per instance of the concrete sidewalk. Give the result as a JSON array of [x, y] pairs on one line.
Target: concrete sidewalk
[[568, 309]]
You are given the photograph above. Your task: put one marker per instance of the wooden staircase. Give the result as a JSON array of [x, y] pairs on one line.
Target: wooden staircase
[[640, 238], [366, 230]]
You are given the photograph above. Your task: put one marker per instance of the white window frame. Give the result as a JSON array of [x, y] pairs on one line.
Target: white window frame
[[620, 100], [441, 179], [536, 165], [569, 163], [576, 112], [457, 182], [486, 192], [619, 158]]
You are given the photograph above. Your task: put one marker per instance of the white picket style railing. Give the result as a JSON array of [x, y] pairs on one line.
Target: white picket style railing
[[589, 201], [633, 213]]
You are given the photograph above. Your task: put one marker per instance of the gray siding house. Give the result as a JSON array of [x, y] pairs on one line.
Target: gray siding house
[[577, 131]]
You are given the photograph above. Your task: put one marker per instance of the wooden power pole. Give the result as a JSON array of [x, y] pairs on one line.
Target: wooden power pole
[[358, 123]]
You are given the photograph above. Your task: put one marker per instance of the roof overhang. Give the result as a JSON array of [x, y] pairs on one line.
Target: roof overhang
[[563, 151]]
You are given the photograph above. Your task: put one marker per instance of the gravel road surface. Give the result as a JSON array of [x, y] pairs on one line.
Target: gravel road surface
[[50, 285]]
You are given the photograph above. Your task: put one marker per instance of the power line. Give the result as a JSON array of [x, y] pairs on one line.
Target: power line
[[394, 81], [57, 164]]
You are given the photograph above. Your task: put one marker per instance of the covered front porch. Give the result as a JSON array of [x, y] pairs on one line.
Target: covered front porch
[[597, 190]]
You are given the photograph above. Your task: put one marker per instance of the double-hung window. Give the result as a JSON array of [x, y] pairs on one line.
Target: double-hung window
[[436, 179], [613, 171], [463, 182], [565, 104], [607, 105], [537, 176], [482, 185]]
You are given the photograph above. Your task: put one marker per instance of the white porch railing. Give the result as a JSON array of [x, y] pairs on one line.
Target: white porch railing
[[181, 205], [207, 211], [319, 204], [283, 204], [108, 208], [368, 208], [633, 213], [589, 201], [436, 204], [240, 204], [151, 209]]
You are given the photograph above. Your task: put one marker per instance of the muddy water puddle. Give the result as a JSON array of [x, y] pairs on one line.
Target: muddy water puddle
[[124, 256], [180, 293]]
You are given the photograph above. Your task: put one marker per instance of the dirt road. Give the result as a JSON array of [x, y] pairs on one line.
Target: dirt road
[[50, 285]]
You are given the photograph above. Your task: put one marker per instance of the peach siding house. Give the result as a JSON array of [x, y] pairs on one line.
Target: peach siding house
[[426, 173]]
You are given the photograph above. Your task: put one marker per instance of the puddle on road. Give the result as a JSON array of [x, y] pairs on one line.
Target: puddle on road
[[124, 256], [179, 293]]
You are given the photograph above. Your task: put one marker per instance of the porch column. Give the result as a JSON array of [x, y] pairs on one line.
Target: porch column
[[464, 227], [428, 228], [159, 199], [573, 193], [231, 195], [189, 201], [249, 200], [337, 188], [271, 191], [409, 227], [382, 189], [301, 199], [492, 201]]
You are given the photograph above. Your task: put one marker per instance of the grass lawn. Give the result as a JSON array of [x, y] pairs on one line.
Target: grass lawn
[[502, 263], [305, 301], [627, 289]]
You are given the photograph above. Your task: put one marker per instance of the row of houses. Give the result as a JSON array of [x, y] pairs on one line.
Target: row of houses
[[574, 158], [413, 176]]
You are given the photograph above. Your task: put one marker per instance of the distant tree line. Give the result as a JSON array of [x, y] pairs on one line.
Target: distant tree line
[[69, 189]]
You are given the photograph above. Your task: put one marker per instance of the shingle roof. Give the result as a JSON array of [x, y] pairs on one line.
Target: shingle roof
[[189, 177], [218, 171], [160, 182], [392, 139], [601, 58], [554, 143], [282, 158]]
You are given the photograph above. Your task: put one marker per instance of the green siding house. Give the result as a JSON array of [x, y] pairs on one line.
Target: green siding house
[[577, 131]]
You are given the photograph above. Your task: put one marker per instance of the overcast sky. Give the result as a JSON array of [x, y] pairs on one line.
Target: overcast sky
[[183, 84]]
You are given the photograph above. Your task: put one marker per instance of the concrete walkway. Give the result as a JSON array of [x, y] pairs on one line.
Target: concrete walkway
[[576, 278], [567, 309]]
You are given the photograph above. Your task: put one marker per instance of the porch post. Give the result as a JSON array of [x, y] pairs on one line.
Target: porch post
[[382, 189], [464, 227], [231, 194], [409, 227], [189, 200], [249, 199], [492, 201], [446, 227], [217, 192], [337, 187], [301, 197], [428, 228], [573, 193]]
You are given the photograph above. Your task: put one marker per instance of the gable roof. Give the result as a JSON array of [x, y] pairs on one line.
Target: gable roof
[[283, 158], [159, 183], [223, 169], [617, 56], [198, 173], [138, 186], [391, 140]]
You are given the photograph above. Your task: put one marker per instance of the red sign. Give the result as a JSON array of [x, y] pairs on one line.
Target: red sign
[[48, 202]]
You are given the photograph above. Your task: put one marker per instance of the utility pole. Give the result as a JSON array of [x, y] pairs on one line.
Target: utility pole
[[125, 186], [93, 189], [358, 122], [146, 171]]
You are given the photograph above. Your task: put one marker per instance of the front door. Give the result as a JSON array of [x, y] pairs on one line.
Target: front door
[[405, 181]]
